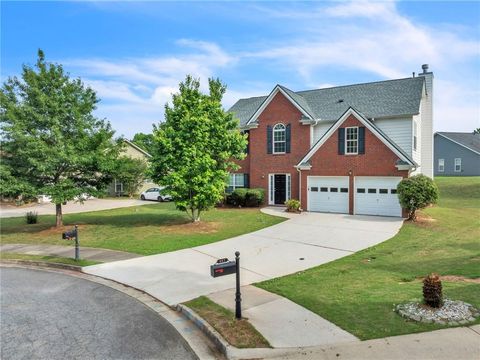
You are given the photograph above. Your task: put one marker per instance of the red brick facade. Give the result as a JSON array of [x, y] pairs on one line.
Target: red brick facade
[[259, 163], [378, 159]]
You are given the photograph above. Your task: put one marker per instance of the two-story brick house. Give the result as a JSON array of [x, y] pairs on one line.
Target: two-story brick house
[[342, 149]]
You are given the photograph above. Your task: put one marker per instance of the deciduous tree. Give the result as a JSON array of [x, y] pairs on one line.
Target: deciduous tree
[[196, 146], [131, 173], [50, 137], [145, 141]]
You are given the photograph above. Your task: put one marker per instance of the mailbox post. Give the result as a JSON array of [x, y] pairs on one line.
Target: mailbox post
[[225, 267], [67, 235], [238, 295]]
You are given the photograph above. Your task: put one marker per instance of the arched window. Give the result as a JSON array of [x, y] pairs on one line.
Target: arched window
[[279, 139]]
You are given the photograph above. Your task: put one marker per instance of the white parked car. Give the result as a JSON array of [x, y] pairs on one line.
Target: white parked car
[[155, 194]]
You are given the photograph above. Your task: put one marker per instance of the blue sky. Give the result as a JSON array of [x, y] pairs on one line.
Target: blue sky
[[135, 53]]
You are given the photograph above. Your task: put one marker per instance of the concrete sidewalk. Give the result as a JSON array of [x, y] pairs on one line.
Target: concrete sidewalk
[[282, 322], [86, 253], [462, 343]]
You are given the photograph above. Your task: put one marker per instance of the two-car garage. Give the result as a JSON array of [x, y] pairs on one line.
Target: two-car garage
[[372, 195]]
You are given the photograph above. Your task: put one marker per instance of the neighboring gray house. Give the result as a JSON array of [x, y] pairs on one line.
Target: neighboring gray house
[[456, 154]]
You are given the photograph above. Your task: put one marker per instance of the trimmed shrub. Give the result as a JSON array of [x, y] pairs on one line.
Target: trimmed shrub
[[254, 197], [293, 205], [237, 197], [32, 217], [417, 192], [246, 197]]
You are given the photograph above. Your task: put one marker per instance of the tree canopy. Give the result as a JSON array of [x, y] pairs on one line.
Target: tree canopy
[[195, 147], [145, 141], [51, 141], [131, 173]]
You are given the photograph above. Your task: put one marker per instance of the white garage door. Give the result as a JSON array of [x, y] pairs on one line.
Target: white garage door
[[377, 196], [328, 193]]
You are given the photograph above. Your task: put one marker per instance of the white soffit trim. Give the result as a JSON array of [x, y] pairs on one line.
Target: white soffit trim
[[336, 125], [270, 97], [456, 142]]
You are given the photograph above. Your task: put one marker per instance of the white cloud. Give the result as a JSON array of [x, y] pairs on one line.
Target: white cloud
[[374, 37], [133, 91], [316, 39]]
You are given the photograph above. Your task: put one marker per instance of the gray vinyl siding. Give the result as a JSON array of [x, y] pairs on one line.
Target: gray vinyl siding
[[399, 130], [448, 150]]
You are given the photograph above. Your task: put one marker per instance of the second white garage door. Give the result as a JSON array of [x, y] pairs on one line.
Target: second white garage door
[[377, 196], [328, 193]]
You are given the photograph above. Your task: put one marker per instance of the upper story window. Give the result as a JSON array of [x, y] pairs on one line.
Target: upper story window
[[441, 165], [458, 165], [351, 140], [279, 139]]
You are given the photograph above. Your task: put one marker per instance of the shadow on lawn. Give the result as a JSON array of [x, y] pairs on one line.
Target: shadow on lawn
[[86, 219]]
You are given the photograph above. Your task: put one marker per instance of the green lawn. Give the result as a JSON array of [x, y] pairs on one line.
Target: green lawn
[[146, 230], [358, 292], [239, 333]]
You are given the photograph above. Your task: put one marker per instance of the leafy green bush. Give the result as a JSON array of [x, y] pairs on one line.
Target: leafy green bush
[[293, 205], [417, 192], [32, 217], [246, 197], [237, 197], [254, 197]]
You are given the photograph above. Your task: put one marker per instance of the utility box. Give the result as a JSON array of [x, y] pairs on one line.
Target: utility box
[[223, 267]]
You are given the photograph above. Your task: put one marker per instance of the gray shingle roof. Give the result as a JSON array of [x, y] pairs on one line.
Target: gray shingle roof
[[305, 161], [469, 140], [376, 99]]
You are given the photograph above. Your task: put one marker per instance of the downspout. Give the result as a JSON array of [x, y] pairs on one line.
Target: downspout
[[299, 185]]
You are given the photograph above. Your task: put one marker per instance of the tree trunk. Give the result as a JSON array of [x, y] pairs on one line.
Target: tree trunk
[[58, 213], [194, 215]]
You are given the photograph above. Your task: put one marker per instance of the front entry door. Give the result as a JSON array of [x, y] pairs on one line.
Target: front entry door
[[280, 185]]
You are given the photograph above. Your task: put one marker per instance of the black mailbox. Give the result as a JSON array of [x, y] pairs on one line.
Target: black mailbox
[[67, 235], [223, 267]]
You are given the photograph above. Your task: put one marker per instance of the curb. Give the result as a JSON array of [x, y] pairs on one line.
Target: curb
[[221, 344], [43, 264], [229, 351]]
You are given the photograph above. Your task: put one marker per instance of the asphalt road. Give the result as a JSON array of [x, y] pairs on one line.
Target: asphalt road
[[46, 315]]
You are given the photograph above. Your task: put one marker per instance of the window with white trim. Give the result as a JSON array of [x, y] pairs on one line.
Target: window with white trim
[[235, 181], [441, 165], [351, 140], [458, 165], [279, 139]]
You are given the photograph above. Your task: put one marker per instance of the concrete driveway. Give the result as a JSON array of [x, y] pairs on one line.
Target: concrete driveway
[[304, 241], [71, 207]]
